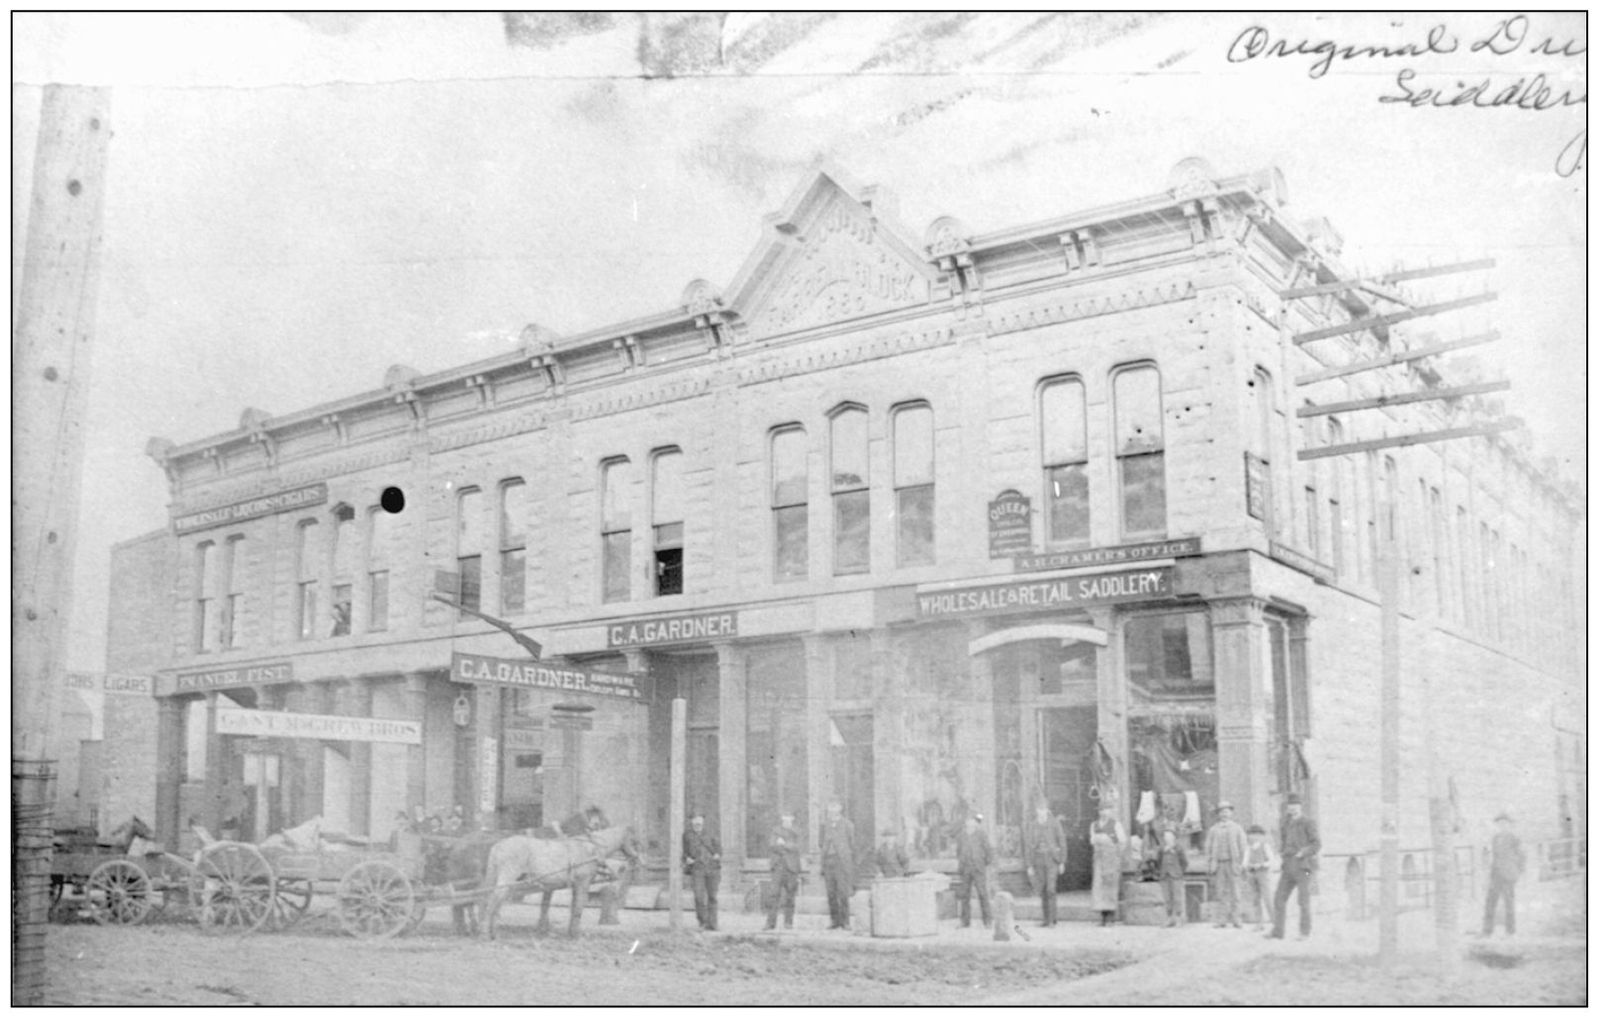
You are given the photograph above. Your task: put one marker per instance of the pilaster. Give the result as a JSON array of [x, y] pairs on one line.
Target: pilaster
[[170, 755], [888, 731], [733, 710], [1239, 679], [414, 709], [355, 698], [818, 692], [1112, 701]]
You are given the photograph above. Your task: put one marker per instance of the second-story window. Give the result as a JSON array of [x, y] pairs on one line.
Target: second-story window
[[471, 538], [615, 527], [1138, 403], [667, 520], [206, 619], [1065, 458], [789, 514], [382, 529], [511, 544], [307, 578], [914, 484], [344, 556], [852, 502], [234, 590]]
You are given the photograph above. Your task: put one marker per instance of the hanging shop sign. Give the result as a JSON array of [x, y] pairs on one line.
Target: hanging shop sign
[[680, 628], [1123, 554], [124, 684], [1009, 529], [252, 508], [523, 739], [275, 724], [1302, 563], [1043, 594], [1257, 487], [233, 677], [534, 674]]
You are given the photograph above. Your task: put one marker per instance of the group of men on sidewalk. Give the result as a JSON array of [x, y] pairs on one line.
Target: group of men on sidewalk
[[1237, 858]]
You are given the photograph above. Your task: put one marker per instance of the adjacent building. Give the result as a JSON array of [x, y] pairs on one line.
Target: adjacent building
[[927, 526]]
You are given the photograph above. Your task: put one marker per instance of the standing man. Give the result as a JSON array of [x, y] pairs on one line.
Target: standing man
[[1509, 861], [973, 859], [784, 872], [701, 859], [1045, 848], [1226, 852], [838, 865], [892, 857], [1299, 846]]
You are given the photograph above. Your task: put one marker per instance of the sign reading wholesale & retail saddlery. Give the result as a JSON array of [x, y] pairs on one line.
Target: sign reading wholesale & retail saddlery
[[252, 508], [536, 674], [233, 677], [681, 628], [274, 724], [1122, 554], [1041, 594]]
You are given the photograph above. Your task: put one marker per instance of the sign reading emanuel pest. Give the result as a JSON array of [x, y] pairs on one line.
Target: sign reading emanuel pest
[[274, 724], [253, 508], [233, 677], [1040, 594], [533, 674], [1009, 529], [1122, 554], [682, 628]]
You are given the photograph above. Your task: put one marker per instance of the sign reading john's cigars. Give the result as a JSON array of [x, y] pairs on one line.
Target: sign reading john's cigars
[[253, 508], [1151, 550], [1040, 594]]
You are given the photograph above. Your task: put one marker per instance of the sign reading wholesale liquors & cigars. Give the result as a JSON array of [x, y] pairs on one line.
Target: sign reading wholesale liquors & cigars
[[1043, 594], [252, 508], [533, 674]]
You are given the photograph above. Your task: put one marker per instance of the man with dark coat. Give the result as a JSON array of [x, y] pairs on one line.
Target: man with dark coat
[[973, 859], [1226, 850], [1045, 849], [701, 859], [838, 865], [785, 868], [1509, 861], [892, 858], [1299, 847]]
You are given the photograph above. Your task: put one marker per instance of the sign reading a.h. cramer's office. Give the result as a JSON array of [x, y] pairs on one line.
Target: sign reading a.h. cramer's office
[[1047, 594]]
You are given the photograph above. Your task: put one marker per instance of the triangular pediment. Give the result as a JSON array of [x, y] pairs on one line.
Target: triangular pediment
[[831, 255]]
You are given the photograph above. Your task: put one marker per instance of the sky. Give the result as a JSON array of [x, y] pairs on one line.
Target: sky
[[296, 202]]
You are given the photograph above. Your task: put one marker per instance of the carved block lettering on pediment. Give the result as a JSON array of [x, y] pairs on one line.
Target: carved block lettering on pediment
[[843, 269]]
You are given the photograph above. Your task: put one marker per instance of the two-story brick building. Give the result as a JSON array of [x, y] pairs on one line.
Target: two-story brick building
[[926, 526]]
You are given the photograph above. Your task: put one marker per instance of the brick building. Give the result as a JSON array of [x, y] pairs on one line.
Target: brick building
[[929, 527]]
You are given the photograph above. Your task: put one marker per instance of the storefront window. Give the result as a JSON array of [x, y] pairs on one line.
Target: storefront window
[[790, 539], [1168, 656], [776, 746], [1173, 731], [1064, 456], [852, 504]]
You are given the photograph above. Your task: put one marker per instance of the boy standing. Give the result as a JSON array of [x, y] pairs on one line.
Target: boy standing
[[1257, 865], [1171, 864]]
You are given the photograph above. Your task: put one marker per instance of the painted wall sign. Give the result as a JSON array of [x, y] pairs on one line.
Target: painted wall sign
[[253, 508], [1184, 547], [523, 739], [1257, 487], [682, 628], [124, 684], [274, 724], [1302, 563], [532, 674], [1009, 529], [1044, 594], [233, 677]]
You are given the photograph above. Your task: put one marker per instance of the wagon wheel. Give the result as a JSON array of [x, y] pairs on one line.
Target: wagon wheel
[[291, 898], [377, 901], [236, 891], [120, 893]]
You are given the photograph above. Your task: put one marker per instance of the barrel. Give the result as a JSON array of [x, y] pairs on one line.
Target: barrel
[[1143, 903]]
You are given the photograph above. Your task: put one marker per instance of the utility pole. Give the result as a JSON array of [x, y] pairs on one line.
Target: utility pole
[[50, 351]]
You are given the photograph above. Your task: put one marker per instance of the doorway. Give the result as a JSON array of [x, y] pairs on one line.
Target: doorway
[[850, 742], [1067, 735]]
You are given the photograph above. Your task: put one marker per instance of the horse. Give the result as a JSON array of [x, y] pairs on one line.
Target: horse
[[549, 865], [459, 863]]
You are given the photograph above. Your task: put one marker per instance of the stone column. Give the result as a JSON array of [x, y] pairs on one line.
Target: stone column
[[734, 746], [170, 773], [982, 753], [356, 699], [414, 705], [818, 693], [213, 819], [1239, 665], [645, 792], [888, 733]]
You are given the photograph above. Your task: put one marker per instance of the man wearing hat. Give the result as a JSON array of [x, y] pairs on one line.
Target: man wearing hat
[[785, 869], [1226, 850], [1299, 846], [892, 858], [701, 859], [1045, 848], [973, 859], [838, 865], [1509, 861]]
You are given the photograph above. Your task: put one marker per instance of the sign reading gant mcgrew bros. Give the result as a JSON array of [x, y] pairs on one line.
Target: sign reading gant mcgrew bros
[[1040, 594]]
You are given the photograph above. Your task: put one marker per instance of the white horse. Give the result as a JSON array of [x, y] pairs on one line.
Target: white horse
[[526, 862]]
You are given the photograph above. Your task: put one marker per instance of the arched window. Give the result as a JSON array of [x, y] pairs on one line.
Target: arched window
[[471, 539], [1065, 460], [206, 619], [852, 503], [345, 559], [234, 590], [1138, 409], [511, 544], [307, 578], [615, 529], [668, 495], [382, 537], [914, 484], [789, 510]]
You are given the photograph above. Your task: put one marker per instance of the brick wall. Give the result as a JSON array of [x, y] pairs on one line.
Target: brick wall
[[139, 641]]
